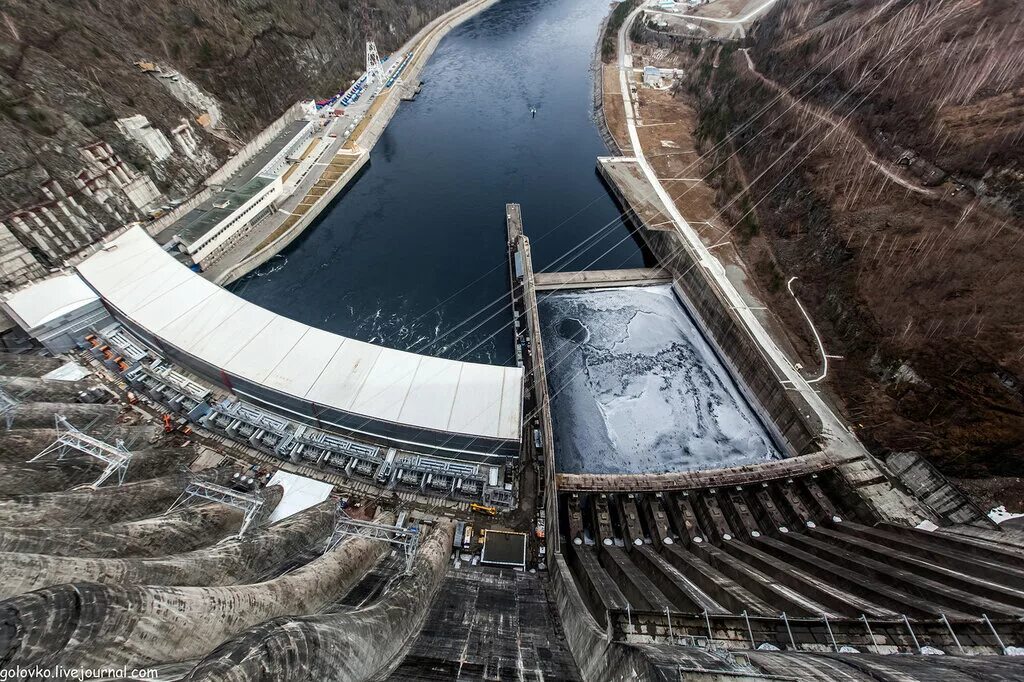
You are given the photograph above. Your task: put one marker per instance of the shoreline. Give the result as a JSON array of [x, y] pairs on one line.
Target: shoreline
[[598, 112], [424, 43]]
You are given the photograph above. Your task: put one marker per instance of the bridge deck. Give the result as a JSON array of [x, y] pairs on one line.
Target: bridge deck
[[592, 279]]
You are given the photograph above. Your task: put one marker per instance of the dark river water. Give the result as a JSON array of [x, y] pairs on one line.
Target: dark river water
[[413, 255]]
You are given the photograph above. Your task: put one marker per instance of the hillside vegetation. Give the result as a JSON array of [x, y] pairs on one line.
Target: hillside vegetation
[[879, 158], [67, 70]]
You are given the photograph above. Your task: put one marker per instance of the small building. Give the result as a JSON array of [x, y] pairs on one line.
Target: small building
[[57, 311], [653, 77], [209, 229], [272, 160]]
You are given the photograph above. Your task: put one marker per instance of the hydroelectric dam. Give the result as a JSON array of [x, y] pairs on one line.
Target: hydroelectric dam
[[498, 413]]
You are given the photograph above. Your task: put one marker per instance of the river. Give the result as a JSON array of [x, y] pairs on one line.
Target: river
[[413, 255]]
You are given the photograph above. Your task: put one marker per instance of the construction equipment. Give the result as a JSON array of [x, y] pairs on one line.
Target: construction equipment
[[484, 509], [168, 425]]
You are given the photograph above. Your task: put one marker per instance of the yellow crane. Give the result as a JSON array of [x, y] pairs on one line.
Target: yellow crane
[[483, 509]]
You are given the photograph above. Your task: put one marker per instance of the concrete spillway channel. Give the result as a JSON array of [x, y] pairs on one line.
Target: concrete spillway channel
[[93, 626], [232, 562], [361, 644]]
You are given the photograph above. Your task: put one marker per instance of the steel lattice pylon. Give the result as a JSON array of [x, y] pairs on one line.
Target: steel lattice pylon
[[249, 503], [117, 457], [374, 68], [406, 539]]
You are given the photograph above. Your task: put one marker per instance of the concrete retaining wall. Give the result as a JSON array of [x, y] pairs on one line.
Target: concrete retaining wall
[[256, 144], [927, 484]]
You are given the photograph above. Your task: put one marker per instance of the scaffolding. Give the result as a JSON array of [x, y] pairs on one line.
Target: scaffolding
[[405, 539], [8, 403], [116, 457], [200, 491]]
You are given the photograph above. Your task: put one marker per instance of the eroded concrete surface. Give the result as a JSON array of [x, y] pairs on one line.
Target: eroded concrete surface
[[636, 389]]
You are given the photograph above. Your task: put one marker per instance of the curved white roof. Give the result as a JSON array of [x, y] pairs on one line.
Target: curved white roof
[[45, 301], [162, 296]]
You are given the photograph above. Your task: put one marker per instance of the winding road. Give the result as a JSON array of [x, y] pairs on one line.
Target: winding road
[[834, 431]]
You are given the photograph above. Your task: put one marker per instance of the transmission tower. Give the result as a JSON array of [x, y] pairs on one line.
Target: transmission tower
[[374, 67]]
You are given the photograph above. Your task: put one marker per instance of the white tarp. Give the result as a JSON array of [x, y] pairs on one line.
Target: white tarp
[[159, 294], [299, 493]]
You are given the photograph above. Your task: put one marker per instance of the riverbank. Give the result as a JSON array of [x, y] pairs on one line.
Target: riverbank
[[266, 241], [425, 204]]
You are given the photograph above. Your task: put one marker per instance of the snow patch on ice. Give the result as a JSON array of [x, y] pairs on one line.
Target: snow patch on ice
[[636, 389]]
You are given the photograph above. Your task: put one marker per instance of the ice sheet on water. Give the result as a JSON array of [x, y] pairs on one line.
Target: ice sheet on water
[[636, 389]]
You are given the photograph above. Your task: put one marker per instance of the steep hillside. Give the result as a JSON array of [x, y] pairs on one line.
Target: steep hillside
[[878, 157], [69, 71]]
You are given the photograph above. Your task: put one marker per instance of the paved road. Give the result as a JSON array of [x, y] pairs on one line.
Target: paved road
[[829, 118], [832, 428]]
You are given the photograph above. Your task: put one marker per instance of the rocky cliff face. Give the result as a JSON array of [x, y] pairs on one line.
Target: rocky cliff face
[[110, 108], [878, 156]]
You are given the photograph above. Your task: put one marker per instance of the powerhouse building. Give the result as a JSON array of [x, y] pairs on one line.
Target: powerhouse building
[[413, 402]]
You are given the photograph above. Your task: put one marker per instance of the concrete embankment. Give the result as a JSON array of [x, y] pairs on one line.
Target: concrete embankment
[[357, 149]]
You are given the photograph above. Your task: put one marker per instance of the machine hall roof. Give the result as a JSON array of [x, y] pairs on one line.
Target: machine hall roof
[[48, 300], [154, 291]]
